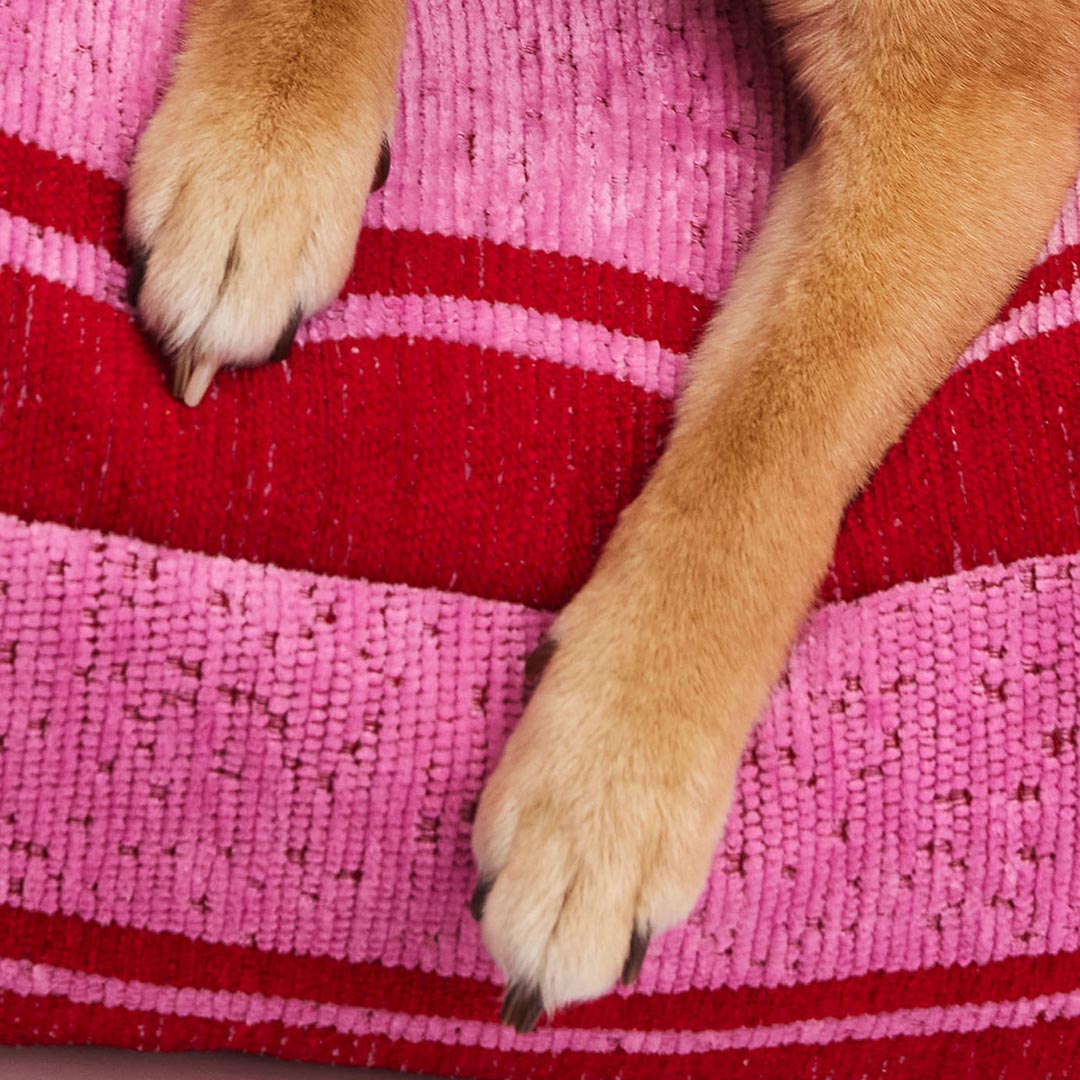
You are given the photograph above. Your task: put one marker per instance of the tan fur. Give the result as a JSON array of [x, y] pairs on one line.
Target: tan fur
[[946, 138], [943, 150], [249, 184]]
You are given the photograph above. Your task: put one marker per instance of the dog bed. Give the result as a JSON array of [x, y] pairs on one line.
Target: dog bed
[[256, 659]]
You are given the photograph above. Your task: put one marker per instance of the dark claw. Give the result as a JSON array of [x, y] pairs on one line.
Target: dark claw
[[382, 170], [136, 276], [538, 659], [639, 943], [521, 1007], [285, 342], [180, 369], [479, 898]]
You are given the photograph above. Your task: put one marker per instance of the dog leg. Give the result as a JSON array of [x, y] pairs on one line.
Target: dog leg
[[249, 184], [946, 138]]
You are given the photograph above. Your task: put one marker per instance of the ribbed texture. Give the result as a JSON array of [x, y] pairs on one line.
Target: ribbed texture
[[240, 793], [256, 659]]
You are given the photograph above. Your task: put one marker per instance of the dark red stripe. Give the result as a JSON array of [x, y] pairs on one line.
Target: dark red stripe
[[423, 462], [987, 473], [1047, 1050], [1058, 272], [399, 262], [70, 197], [60, 193], [353, 461], [168, 959]]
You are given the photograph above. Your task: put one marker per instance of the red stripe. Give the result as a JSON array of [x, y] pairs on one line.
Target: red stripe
[[1058, 272], [60, 193], [67, 196], [402, 262], [355, 467], [168, 959], [352, 461], [1046, 1050], [983, 475], [72, 198]]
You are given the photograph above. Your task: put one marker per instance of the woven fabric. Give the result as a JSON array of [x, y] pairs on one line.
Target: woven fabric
[[257, 658]]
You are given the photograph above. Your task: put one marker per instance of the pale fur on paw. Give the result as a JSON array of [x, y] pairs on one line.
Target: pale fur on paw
[[597, 829], [244, 210]]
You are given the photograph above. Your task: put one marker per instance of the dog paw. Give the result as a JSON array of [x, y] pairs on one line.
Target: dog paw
[[596, 831], [242, 220]]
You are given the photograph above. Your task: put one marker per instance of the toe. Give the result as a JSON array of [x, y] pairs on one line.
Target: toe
[[635, 957], [522, 1006], [288, 336], [136, 276], [192, 374]]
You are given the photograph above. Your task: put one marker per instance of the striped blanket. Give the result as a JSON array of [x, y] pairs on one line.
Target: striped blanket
[[257, 658]]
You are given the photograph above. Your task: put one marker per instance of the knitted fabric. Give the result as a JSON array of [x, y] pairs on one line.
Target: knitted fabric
[[256, 659]]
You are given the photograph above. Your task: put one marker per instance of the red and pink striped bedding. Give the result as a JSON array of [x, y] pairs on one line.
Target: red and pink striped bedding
[[257, 658]]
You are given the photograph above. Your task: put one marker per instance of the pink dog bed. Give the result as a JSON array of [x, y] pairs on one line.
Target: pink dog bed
[[256, 659]]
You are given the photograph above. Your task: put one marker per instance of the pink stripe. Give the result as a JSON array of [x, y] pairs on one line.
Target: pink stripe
[[55, 256], [1055, 311], [655, 153], [25, 978], [1066, 231], [508, 328], [210, 747]]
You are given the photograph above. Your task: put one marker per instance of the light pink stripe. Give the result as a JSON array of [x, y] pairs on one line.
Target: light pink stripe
[[26, 978], [1066, 231], [593, 130], [511, 328], [1053, 311], [900, 807], [55, 256], [508, 327]]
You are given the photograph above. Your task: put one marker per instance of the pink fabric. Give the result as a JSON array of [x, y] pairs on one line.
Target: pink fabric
[[244, 755], [574, 171], [1022, 1012], [898, 808]]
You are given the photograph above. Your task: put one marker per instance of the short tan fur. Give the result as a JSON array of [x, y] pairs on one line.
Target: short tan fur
[[946, 135]]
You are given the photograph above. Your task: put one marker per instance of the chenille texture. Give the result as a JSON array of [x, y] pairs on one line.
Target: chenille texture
[[257, 658]]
